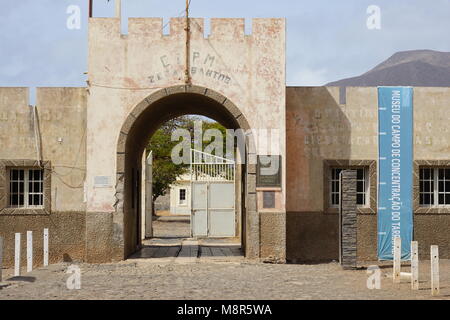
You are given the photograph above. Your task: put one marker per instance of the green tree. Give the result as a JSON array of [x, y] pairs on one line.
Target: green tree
[[164, 171]]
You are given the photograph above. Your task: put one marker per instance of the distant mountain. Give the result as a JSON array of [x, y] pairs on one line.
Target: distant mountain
[[418, 68]]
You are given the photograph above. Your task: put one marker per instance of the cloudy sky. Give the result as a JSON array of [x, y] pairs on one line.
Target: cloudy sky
[[327, 39]]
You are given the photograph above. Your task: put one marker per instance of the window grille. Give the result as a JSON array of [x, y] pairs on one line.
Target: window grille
[[26, 188], [361, 186]]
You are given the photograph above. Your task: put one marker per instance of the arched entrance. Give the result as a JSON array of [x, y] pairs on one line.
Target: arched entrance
[[139, 126]]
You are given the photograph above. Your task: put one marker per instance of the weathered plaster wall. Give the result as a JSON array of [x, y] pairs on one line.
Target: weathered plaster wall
[[431, 130], [249, 70], [62, 119], [320, 128], [80, 130], [125, 69], [61, 114], [16, 126]]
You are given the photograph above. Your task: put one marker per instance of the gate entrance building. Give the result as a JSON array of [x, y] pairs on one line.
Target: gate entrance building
[[82, 148], [140, 80]]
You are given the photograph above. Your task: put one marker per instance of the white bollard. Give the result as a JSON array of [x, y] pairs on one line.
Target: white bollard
[[17, 255], [435, 271], [1, 258], [397, 260], [414, 265], [29, 251], [45, 247]]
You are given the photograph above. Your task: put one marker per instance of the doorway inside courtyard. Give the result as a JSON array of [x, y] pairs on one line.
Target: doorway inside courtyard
[[193, 209], [193, 205]]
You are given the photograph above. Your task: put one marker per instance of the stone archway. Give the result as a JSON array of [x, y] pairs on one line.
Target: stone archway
[[140, 124]]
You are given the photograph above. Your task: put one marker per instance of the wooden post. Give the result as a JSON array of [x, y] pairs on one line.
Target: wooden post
[[435, 271], [29, 251], [45, 247], [1, 258], [17, 255], [414, 265], [397, 259]]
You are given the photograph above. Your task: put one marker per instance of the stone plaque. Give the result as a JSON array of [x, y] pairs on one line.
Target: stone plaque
[[268, 199], [268, 171], [102, 182]]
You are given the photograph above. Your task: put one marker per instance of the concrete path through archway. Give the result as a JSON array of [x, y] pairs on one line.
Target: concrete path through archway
[[190, 251]]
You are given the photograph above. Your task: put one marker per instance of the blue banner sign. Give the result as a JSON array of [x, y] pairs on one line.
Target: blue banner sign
[[395, 170]]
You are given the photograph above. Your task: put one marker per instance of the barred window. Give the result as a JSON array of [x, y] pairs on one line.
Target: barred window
[[361, 186], [434, 187], [26, 188], [182, 197]]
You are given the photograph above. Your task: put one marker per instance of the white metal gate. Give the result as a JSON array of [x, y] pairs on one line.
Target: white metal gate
[[213, 211]]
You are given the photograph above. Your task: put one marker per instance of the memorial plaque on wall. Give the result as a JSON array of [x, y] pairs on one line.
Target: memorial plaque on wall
[[268, 199], [268, 171]]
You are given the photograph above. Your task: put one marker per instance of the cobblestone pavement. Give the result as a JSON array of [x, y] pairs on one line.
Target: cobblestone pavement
[[172, 279], [211, 269]]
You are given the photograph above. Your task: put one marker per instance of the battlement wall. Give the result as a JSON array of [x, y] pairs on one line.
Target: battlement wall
[[248, 69], [223, 29]]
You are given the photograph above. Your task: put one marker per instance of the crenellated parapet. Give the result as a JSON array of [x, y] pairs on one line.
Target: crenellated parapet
[[147, 58], [223, 29]]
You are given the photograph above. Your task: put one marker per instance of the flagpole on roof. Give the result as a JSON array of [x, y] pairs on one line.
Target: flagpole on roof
[[118, 8], [90, 8], [188, 48]]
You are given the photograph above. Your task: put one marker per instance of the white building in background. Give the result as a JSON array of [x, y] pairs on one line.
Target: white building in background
[[205, 167], [180, 196]]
